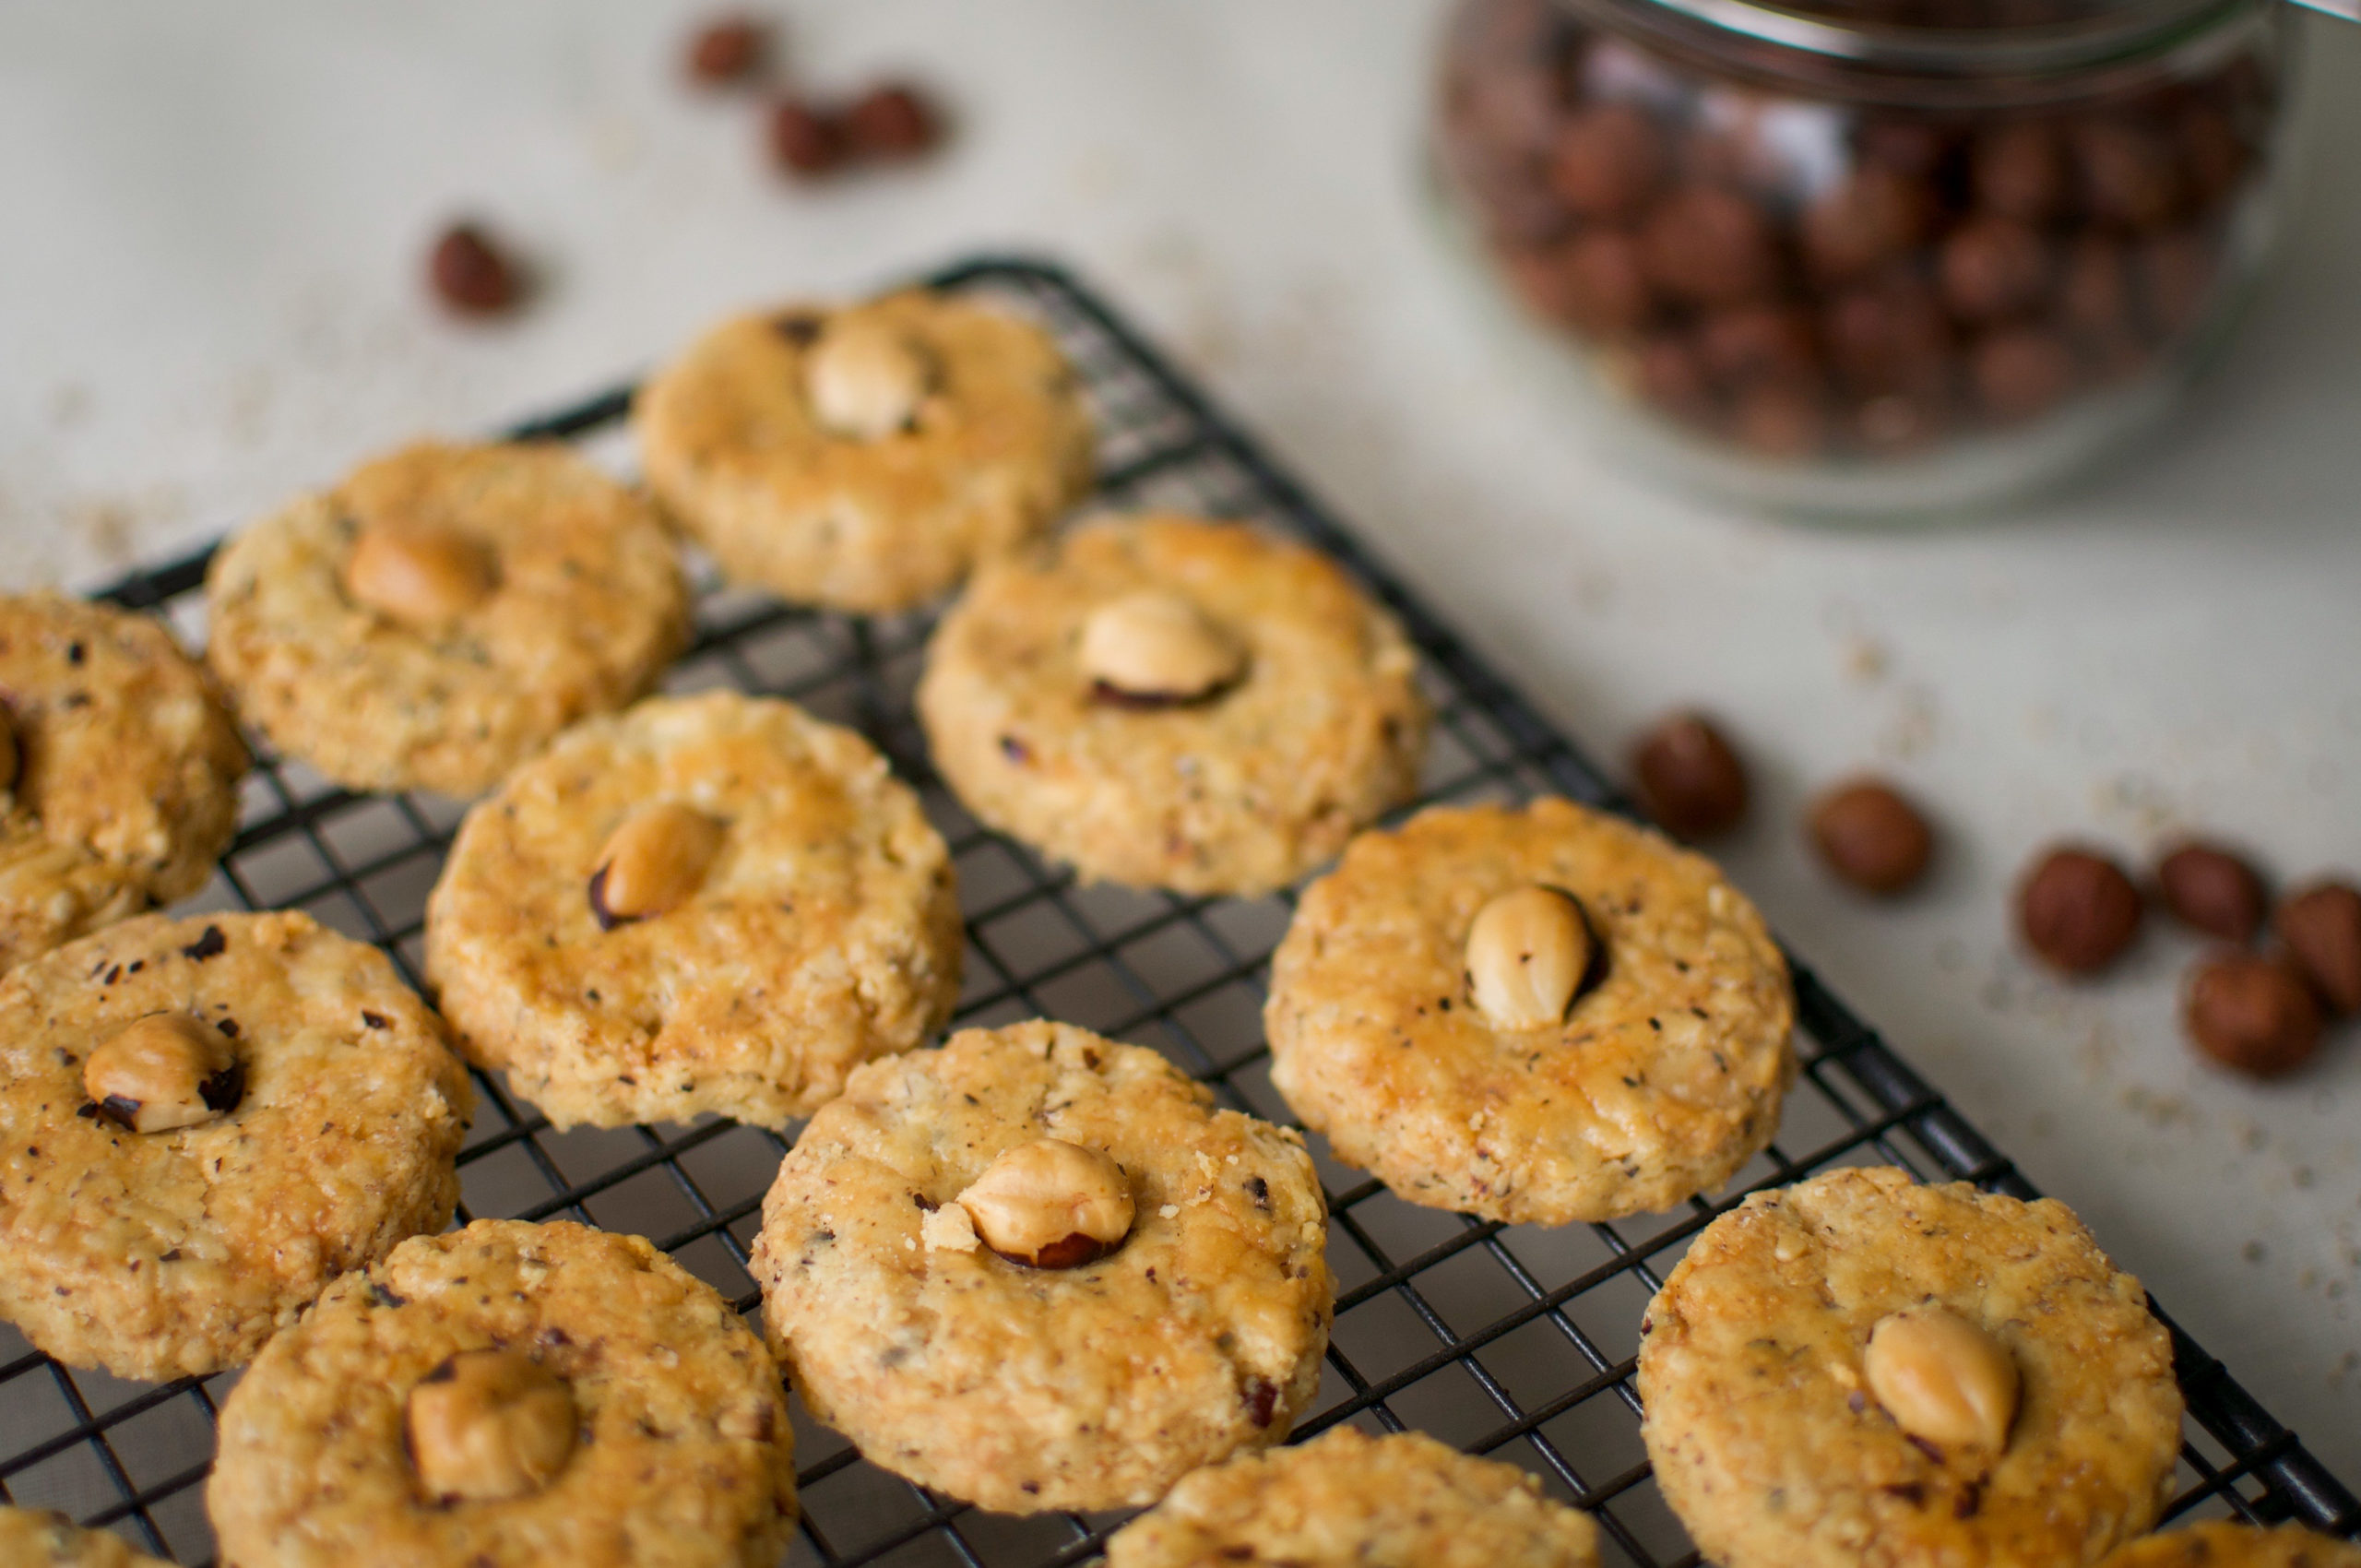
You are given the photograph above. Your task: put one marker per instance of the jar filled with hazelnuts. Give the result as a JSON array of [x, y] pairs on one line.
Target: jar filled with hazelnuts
[[1869, 257]]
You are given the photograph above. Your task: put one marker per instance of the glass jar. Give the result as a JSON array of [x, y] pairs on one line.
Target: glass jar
[[1869, 257]]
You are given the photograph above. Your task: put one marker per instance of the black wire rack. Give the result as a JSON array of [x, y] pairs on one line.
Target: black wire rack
[[1512, 1341]]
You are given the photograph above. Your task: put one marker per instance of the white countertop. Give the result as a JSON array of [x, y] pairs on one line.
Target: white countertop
[[208, 298]]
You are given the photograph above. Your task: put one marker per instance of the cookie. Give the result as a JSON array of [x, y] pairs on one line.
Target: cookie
[[1168, 701], [1349, 1501], [866, 458], [437, 617], [119, 769], [2218, 1543], [318, 1112], [1859, 1370], [1645, 1065], [35, 1538], [509, 1393], [1036, 1269], [810, 921]]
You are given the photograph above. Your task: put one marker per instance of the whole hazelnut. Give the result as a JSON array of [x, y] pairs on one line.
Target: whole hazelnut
[[2020, 372], [1995, 269], [803, 140], [892, 120], [728, 50], [2078, 910], [1050, 1204], [2322, 926], [1757, 342], [1943, 1379], [1890, 335], [1710, 246], [2018, 170], [1874, 217], [469, 273], [2176, 276], [1870, 835], [1593, 283], [2094, 289], [1607, 159], [1668, 374], [1909, 146], [2129, 173], [2252, 1014], [1158, 648], [1528, 953], [2208, 889], [1782, 417], [1689, 778]]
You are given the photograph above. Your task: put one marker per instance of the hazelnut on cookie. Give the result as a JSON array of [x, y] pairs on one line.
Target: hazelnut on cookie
[[1164, 701], [1538, 1014], [866, 458], [1036, 1269], [202, 1123], [710, 903], [119, 769], [1858, 1369], [510, 1394], [439, 615]]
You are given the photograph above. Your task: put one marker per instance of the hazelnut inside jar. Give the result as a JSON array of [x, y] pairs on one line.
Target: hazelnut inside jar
[[1867, 257]]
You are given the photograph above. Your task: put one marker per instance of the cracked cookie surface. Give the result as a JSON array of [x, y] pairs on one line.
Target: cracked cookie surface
[[1664, 1077], [1240, 790], [168, 1254], [993, 444], [1022, 1388], [120, 784], [1768, 1437], [823, 932], [583, 607], [683, 1457]]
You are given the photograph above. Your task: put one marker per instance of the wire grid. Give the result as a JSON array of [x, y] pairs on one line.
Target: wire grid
[[1517, 1342]]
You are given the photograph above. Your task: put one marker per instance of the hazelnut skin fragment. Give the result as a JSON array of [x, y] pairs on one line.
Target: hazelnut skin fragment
[[1528, 951], [1943, 1379], [1158, 649], [165, 1072], [654, 863], [489, 1425], [2208, 889], [2322, 926], [1050, 1204], [418, 575]]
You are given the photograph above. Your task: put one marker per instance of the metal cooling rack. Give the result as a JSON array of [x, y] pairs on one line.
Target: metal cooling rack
[[1517, 1342]]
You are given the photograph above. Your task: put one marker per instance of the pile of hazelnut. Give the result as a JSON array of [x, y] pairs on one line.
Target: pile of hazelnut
[[1801, 277]]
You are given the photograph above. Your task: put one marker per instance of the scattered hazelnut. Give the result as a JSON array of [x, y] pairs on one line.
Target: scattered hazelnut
[[2019, 372], [1872, 217], [469, 273], [2130, 175], [866, 378], [419, 574], [1710, 246], [1606, 161], [727, 51], [1689, 779], [2078, 910], [1995, 269], [1527, 952], [2322, 926], [168, 1070], [653, 862], [489, 1425], [892, 120], [2018, 168], [1050, 1204], [1873, 836], [2252, 1014], [1154, 648], [1943, 1379], [1780, 419], [803, 140], [2210, 889]]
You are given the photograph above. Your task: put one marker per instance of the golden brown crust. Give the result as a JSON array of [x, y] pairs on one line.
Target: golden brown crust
[[1663, 1081], [684, 1457], [127, 790], [1241, 792], [1770, 1447], [826, 932], [35, 1538], [999, 448], [160, 1255], [2218, 1543], [1027, 1389], [1345, 1500], [590, 607]]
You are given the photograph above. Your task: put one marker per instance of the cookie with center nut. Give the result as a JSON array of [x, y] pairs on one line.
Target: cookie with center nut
[[1164, 701], [202, 1123], [1345, 1500], [506, 1395], [35, 1538], [1859, 1369], [866, 456], [1036, 1269], [711, 903], [438, 616], [2223, 1543], [1538, 1014], [119, 769]]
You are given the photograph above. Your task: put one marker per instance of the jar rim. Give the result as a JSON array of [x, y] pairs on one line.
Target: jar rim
[[2115, 36]]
